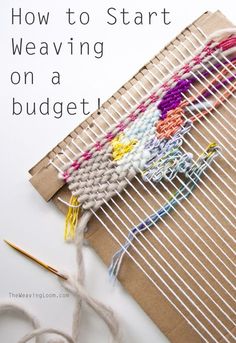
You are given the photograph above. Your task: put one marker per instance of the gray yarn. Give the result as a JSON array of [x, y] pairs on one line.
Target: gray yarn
[[98, 180], [75, 285]]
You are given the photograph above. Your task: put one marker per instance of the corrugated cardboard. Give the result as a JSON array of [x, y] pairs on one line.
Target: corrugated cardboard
[[167, 318]]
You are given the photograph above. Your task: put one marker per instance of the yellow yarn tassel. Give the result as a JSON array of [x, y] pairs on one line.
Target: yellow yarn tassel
[[71, 220], [119, 148]]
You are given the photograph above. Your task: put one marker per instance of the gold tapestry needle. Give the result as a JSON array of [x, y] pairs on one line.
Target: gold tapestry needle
[[46, 266]]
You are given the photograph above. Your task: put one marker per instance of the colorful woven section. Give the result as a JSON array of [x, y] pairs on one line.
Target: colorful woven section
[[148, 140]]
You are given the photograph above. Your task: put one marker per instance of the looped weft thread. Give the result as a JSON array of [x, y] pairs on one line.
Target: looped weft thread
[[192, 174], [158, 148], [168, 166]]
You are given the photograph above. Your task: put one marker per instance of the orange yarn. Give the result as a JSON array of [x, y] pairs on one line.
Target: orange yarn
[[174, 118], [170, 125]]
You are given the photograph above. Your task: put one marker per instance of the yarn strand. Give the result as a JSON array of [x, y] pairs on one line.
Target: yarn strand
[[193, 175], [74, 285]]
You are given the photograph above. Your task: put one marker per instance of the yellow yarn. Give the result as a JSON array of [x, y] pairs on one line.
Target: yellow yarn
[[119, 148], [71, 220], [210, 149]]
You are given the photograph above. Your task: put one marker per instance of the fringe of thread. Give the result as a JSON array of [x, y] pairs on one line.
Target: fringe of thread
[[71, 219]]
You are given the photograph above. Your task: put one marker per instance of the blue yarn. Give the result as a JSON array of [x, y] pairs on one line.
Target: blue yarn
[[193, 175]]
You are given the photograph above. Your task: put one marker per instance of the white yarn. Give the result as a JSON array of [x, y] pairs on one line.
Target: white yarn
[[222, 33], [75, 285], [143, 130]]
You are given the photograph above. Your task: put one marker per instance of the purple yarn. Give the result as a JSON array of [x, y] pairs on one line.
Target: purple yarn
[[173, 97], [215, 67]]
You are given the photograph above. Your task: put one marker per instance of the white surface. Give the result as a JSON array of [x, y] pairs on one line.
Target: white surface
[[25, 218]]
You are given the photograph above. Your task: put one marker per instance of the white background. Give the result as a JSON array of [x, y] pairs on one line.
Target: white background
[[25, 218]]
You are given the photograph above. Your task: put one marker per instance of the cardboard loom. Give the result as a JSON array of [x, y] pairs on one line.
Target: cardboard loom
[[167, 318]]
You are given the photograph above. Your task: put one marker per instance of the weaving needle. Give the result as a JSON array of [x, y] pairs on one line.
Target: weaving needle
[[44, 265]]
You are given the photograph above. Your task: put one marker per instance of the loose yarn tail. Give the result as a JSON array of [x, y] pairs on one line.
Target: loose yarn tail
[[71, 220], [9, 307], [100, 309], [75, 285], [80, 272]]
